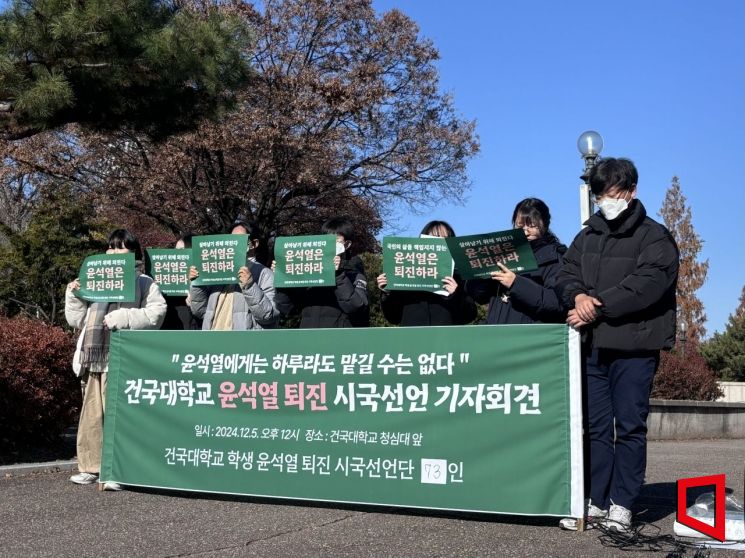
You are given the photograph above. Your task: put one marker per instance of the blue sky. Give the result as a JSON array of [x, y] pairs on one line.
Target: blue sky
[[662, 81]]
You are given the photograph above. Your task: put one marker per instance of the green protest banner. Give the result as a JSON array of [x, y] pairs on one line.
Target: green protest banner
[[479, 418], [305, 261], [170, 269], [107, 278], [218, 257], [477, 255], [416, 264]]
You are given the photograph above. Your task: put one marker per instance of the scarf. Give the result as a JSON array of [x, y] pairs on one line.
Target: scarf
[[94, 352], [222, 320], [95, 348]]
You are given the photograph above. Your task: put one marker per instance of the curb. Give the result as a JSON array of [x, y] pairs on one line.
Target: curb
[[31, 468]]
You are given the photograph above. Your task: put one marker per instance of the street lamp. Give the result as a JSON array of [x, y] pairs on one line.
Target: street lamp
[[590, 144], [683, 338]]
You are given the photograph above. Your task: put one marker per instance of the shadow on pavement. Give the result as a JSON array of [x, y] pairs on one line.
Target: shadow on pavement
[[535, 521], [658, 500]]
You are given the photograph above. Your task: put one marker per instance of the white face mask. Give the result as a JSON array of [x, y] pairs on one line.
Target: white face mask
[[611, 208], [340, 248]]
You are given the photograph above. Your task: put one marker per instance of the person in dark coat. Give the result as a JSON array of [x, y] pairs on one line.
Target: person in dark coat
[[343, 305], [529, 297], [178, 313], [618, 282], [421, 308]]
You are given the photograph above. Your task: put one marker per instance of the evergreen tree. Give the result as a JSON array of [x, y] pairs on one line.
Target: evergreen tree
[[344, 115], [37, 263], [740, 312], [692, 274], [374, 267], [153, 65], [725, 352]]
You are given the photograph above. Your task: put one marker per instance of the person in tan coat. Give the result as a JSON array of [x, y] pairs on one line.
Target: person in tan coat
[[91, 361]]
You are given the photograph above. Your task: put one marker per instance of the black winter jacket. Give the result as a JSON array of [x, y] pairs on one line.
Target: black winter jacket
[[631, 265], [179, 316], [421, 308], [344, 305], [532, 298]]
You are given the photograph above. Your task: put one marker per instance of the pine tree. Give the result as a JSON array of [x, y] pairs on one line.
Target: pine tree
[[154, 65], [740, 312], [725, 352], [692, 274], [344, 115]]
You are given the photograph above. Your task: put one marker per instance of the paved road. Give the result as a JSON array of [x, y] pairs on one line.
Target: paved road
[[44, 515]]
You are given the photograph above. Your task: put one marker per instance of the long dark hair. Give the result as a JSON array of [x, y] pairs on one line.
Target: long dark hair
[[535, 213]]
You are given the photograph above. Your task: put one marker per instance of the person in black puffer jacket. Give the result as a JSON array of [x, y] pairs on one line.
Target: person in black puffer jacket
[[618, 282], [421, 308], [344, 305], [178, 314], [529, 297]]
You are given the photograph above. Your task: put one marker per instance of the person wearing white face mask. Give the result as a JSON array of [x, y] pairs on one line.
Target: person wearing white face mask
[[343, 305], [618, 284], [612, 207]]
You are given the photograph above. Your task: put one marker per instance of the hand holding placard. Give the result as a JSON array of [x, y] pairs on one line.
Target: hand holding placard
[[106, 278], [305, 261], [245, 279], [169, 268], [218, 257], [416, 264], [477, 256]]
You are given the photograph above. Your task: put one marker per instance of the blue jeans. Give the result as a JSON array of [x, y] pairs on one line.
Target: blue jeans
[[617, 386]]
